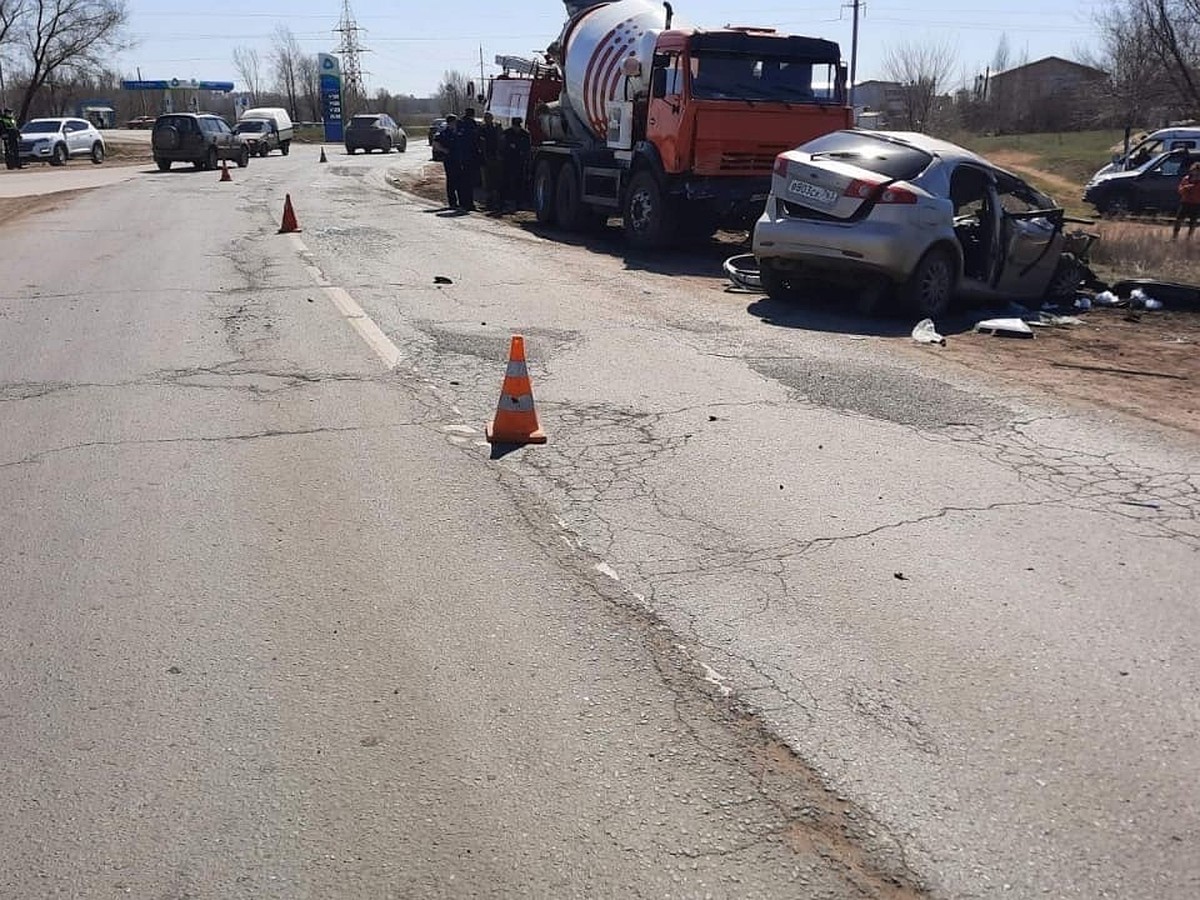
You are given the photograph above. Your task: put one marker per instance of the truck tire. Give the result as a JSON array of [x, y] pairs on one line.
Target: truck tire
[[649, 219], [569, 209], [544, 187], [263, 149], [285, 147], [163, 164]]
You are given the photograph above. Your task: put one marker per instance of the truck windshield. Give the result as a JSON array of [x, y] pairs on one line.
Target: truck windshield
[[251, 125], [718, 75]]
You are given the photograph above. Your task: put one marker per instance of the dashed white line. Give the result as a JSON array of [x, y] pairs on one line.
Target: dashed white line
[[383, 347]]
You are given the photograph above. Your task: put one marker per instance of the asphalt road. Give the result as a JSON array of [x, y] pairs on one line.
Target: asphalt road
[[278, 625]]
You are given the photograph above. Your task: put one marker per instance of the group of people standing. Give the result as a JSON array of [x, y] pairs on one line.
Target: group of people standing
[[496, 158]]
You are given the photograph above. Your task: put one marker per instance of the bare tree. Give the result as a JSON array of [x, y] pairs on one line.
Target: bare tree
[[65, 38], [1003, 54], [249, 68], [286, 58], [452, 92], [921, 70], [308, 72], [11, 13]]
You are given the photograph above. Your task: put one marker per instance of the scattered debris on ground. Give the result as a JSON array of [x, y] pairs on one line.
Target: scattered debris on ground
[[924, 332]]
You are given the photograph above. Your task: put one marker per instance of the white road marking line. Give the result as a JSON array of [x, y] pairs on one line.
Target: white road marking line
[[388, 353]]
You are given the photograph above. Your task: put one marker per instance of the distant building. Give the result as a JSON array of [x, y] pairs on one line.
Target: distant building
[[1047, 94], [881, 103]]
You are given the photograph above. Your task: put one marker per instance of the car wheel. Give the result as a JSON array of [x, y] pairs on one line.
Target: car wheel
[[244, 158], [649, 223], [387, 145], [403, 144], [543, 192], [1117, 206], [59, 156], [97, 153], [163, 164], [1064, 283], [350, 151], [285, 147], [263, 150], [210, 161], [931, 286], [777, 284]]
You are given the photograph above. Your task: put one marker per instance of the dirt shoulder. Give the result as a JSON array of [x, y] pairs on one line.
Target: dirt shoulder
[[13, 209]]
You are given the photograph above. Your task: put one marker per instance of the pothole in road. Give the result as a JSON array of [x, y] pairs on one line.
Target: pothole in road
[[486, 343]]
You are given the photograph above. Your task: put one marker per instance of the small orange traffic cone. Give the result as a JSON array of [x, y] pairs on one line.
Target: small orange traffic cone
[[289, 223], [225, 176], [516, 420], [323, 159]]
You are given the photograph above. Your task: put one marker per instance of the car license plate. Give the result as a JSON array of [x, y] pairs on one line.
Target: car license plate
[[815, 193]]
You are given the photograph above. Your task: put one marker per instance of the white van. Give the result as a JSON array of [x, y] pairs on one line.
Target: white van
[[1144, 148], [265, 128]]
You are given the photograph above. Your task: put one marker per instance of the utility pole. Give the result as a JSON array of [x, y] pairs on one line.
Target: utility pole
[[481, 91], [854, 51]]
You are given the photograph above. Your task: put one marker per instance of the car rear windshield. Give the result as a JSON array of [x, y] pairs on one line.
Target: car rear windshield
[[47, 127], [364, 121], [875, 154]]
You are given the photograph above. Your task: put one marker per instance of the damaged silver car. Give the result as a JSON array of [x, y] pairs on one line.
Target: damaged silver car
[[899, 213]]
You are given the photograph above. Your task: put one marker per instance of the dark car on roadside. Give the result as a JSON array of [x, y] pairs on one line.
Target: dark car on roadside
[[1152, 187], [199, 138], [374, 131]]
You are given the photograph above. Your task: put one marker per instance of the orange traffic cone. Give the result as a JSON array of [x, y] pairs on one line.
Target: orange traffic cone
[[516, 420], [225, 176], [289, 223], [323, 159]]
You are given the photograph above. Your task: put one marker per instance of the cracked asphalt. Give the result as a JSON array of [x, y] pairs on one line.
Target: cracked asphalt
[[775, 612]]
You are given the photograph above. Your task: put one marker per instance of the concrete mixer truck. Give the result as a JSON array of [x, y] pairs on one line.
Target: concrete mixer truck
[[675, 129]]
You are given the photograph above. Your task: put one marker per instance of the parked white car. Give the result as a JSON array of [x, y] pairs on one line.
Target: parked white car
[[57, 140]]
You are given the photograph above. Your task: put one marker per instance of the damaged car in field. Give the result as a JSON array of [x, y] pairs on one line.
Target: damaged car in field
[[903, 214]]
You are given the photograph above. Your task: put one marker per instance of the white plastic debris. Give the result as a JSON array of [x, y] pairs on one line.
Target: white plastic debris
[[1139, 300], [1014, 327], [1106, 298], [744, 273], [924, 332], [1051, 320], [1083, 303]]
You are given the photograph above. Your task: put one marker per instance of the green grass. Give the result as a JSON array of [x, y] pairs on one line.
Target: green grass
[[1073, 155]]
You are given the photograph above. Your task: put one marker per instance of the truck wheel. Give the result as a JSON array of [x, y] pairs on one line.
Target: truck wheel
[[263, 150], [163, 164], [544, 192], [649, 223], [285, 147], [569, 208]]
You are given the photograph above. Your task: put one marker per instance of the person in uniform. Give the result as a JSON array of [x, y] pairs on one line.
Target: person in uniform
[[516, 152], [12, 139], [468, 141], [447, 150], [1189, 200], [491, 137]]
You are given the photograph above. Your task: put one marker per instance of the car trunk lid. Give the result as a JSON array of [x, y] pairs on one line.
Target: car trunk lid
[[829, 188]]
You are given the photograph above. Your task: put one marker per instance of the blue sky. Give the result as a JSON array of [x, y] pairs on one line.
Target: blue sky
[[412, 42]]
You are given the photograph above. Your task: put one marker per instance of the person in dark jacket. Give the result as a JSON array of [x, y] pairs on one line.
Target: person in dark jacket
[[446, 145], [12, 139], [491, 137], [468, 141], [516, 150]]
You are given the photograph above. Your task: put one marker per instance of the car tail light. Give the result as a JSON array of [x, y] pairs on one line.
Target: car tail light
[[781, 166], [860, 190], [896, 195], [879, 193]]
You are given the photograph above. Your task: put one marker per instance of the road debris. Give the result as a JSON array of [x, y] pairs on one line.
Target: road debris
[[924, 332], [1052, 320], [441, 279], [1008, 327], [744, 273]]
